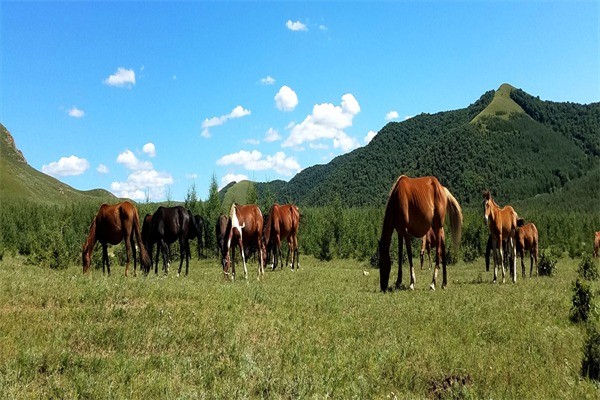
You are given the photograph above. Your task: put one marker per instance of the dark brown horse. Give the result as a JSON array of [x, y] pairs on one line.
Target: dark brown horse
[[170, 224], [503, 224], [244, 228], [220, 230], [111, 225], [596, 243], [415, 205], [282, 223], [526, 238], [429, 242]]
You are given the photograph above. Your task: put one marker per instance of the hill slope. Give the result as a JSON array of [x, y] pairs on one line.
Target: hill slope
[[519, 147], [20, 182]]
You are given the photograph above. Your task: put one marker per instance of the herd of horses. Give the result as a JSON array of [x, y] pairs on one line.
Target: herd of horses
[[416, 207], [244, 226]]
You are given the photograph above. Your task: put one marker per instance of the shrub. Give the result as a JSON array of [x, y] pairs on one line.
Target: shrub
[[582, 307], [590, 365], [547, 263], [588, 268]]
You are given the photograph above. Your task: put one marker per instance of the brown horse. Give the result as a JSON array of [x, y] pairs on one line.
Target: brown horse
[[415, 205], [526, 238], [596, 243], [429, 241], [111, 225], [282, 223], [503, 224], [245, 227]]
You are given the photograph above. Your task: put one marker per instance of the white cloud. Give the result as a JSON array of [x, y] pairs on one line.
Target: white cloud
[[267, 80], [252, 141], [76, 112], [228, 178], [322, 27], [295, 26], [254, 161], [66, 166], [141, 182], [149, 149], [286, 99], [103, 169], [272, 135], [123, 77], [370, 136], [191, 176], [391, 115], [129, 160], [327, 121], [237, 112], [318, 146]]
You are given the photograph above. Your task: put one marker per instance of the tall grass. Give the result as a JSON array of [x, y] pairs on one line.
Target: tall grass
[[322, 331]]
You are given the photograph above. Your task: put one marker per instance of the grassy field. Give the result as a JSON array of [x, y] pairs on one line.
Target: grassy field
[[322, 331]]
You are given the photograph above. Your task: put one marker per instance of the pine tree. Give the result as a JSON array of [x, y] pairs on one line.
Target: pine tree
[[212, 211]]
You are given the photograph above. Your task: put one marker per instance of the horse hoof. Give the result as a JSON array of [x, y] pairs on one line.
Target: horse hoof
[[432, 287], [412, 286]]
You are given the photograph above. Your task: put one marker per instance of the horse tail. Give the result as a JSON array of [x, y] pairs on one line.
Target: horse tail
[[144, 257], [383, 245], [456, 217]]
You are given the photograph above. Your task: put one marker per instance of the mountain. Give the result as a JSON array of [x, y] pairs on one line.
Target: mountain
[[19, 181], [508, 141]]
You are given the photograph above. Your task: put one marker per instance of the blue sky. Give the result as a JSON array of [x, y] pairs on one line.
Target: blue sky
[[148, 98]]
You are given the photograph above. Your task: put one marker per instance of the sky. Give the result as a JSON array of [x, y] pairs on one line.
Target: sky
[[147, 99]]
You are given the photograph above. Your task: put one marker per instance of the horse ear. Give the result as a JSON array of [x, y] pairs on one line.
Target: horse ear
[[486, 194]]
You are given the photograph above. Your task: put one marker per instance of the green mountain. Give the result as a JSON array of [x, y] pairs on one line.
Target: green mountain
[[508, 141], [20, 182]]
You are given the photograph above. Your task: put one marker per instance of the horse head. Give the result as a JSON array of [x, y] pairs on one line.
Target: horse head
[[85, 258], [487, 206]]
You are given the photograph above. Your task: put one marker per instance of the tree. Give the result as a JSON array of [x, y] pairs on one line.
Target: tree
[[251, 195], [192, 202], [212, 211]]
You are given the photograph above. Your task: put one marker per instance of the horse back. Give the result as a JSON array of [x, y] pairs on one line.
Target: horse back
[[421, 204]]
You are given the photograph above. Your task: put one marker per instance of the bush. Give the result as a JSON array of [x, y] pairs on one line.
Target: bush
[[547, 263], [582, 307], [588, 268], [590, 365]]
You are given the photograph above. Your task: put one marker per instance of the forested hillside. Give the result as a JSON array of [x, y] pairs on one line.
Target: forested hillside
[[518, 148]]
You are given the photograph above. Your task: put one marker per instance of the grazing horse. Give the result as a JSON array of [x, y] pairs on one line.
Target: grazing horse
[[429, 241], [596, 243], [503, 224], [111, 225], [220, 230], [245, 226], [526, 238], [414, 206], [168, 225], [282, 223]]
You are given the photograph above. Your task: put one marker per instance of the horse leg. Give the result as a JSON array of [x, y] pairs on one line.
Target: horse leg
[[513, 253], [188, 255], [105, 258], [522, 255], [133, 252], [421, 257], [399, 279], [181, 254], [241, 246], [164, 250], [407, 240], [444, 263]]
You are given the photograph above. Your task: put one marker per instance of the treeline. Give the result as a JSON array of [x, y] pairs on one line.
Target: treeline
[[51, 236]]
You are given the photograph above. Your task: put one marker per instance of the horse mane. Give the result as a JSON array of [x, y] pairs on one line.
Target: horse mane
[[232, 210]]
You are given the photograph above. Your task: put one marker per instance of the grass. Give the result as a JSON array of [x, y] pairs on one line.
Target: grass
[[322, 331], [501, 105]]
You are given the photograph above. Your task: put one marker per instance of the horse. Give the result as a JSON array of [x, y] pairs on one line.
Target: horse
[[596, 244], [414, 206], [245, 226], [488, 250], [429, 241], [168, 225], [220, 230], [111, 225], [526, 238], [282, 223], [503, 223]]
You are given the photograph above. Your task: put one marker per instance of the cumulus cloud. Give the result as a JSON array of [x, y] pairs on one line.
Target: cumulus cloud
[[66, 166], [272, 135], [295, 26], [267, 80], [254, 161], [370, 136], [103, 169], [149, 149], [286, 99], [228, 178], [123, 77], [391, 115], [129, 160], [327, 121], [237, 112], [142, 182], [76, 112]]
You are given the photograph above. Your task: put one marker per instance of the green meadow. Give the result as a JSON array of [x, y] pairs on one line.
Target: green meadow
[[324, 331]]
